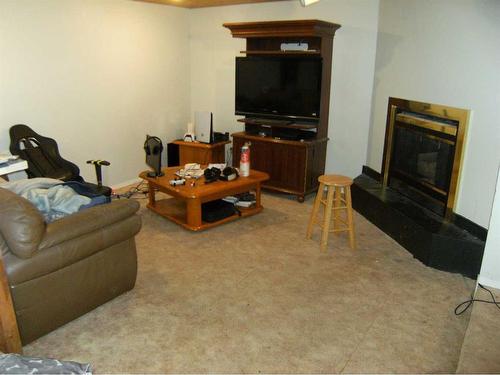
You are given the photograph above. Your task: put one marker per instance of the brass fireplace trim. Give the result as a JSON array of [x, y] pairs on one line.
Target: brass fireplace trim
[[462, 116], [427, 124]]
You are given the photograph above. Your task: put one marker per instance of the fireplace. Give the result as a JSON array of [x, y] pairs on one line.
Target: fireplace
[[413, 198], [423, 152]]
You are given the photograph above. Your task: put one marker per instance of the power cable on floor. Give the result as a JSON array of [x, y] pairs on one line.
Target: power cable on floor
[[460, 310], [132, 191]]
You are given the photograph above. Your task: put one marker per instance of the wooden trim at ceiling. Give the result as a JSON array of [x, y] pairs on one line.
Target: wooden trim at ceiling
[[282, 28], [205, 3]]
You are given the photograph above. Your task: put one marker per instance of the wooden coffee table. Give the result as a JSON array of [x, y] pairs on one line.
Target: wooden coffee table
[[185, 207]]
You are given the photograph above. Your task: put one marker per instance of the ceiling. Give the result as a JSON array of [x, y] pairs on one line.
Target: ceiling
[[204, 3]]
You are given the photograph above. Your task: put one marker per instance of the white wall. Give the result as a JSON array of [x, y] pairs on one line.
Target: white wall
[[490, 268], [445, 52], [213, 51], [97, 75]]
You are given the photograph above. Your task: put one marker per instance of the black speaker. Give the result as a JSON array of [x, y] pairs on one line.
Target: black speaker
[[173, 155]]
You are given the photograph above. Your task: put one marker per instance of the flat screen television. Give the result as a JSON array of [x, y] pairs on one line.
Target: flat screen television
[[286, 87]]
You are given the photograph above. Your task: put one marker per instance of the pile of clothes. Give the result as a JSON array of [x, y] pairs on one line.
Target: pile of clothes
[[55, 198]]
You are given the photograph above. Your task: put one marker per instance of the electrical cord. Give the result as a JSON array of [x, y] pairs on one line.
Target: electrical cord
[[470, 301], [132, 191]]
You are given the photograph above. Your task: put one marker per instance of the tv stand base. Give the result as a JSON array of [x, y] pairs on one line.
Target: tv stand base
[[293, 166]]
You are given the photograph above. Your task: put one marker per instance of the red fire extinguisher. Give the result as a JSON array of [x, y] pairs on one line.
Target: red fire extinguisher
[[245, 160]]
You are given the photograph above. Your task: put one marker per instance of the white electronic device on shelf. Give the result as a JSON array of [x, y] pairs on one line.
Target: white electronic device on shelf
[[203, 122], [294, 46]]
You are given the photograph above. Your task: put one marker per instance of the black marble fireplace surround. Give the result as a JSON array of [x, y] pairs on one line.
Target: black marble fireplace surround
[[454, 245]]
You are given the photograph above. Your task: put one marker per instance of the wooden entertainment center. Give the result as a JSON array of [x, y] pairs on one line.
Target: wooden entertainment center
[[293, 154]]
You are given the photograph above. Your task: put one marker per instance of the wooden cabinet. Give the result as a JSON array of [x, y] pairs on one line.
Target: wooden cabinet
[[201, 153], [293, 165]]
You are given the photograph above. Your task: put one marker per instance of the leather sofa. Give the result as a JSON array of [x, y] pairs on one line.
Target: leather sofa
[[62, 270]]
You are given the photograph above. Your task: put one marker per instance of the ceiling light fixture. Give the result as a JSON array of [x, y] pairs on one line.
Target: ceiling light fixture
[[305, 3]]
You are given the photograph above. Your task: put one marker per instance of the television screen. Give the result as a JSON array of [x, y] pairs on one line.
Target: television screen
[[288, 87]]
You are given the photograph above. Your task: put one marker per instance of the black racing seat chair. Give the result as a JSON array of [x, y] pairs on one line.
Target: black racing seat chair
[[44, 160]]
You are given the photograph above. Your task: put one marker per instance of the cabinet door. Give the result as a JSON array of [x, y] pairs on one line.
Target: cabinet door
[[237, 144], [316, 158], [284, 163], [260, 155], [288, 167]]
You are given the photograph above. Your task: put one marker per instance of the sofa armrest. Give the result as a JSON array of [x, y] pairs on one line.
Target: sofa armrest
[[87, 221], [21, 225]]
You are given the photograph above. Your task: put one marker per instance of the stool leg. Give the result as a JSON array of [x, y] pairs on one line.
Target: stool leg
[[314, 212], [350, 221], [327, 218], [336, 204]]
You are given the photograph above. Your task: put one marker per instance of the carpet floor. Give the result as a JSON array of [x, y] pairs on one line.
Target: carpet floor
[[481, 347], [255, 296]]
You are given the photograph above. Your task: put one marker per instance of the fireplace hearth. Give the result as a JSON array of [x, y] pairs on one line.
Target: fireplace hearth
[[412, 200]]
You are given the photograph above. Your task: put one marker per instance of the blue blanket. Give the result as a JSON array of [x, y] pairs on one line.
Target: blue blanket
[[53, 198]]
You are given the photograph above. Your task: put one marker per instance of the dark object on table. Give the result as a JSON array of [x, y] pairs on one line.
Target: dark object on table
[[229, 174], [62, 270], [20, 364], [44, 160], [211, 174]]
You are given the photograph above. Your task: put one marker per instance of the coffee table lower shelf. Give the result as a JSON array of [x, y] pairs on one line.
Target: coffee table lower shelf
[[175, 210]]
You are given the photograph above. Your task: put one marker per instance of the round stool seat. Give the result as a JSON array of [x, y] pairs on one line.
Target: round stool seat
[[335, 180]]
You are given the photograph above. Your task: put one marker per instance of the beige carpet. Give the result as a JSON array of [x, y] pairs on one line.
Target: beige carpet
[[481, 347], [255, 296]]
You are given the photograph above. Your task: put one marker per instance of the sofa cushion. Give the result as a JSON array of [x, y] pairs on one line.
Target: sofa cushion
[[21, 224], [67, 253], [87, 221]]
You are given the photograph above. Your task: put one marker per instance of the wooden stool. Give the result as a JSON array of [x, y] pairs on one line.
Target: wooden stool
[[338, 199]]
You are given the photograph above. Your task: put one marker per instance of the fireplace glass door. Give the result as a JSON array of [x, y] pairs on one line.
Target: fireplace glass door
[[423, 152], [423, 162]]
